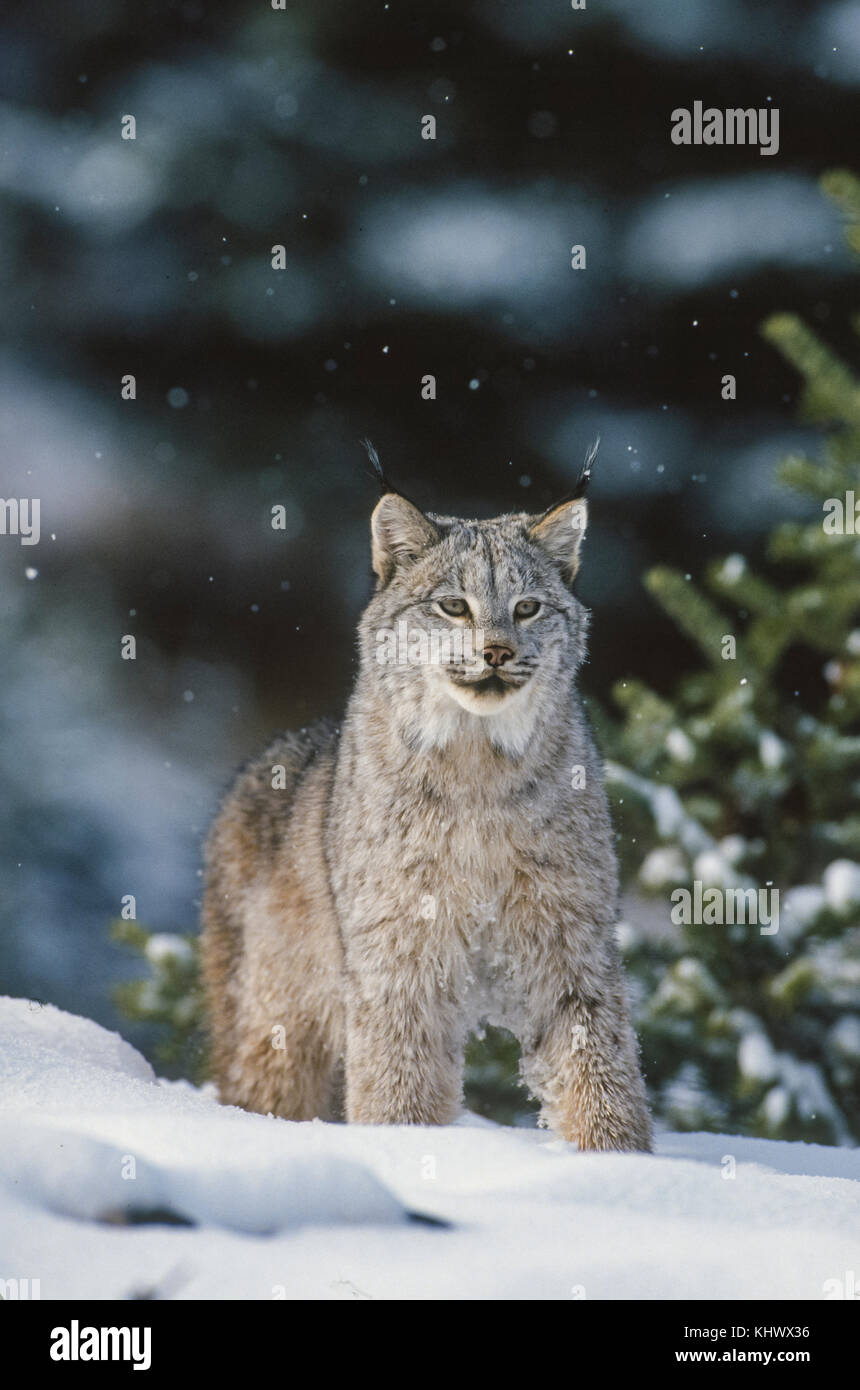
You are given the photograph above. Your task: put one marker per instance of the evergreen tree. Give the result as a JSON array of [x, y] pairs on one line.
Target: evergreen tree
[[738, 780], [167, 996]]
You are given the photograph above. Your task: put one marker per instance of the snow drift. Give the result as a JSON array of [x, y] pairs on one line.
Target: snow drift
[[114, 1183]]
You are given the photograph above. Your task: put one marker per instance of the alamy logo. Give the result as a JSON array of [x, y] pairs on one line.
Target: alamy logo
[[734, 126], [419, 646], [842, 517], [849, 1287], [76, 1343], [709, 907], [20, 517], [16, 1289]]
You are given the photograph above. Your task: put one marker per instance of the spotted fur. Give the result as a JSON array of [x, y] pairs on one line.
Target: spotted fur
[[435, 862]]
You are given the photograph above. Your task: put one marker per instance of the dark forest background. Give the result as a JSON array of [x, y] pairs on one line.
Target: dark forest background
[[404, 257]]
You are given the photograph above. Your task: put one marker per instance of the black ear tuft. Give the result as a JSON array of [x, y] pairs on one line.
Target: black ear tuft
[[585, 476], [580, 487], [377, 472]]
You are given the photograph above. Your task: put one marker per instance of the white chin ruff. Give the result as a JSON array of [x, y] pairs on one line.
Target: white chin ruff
[[508, 721], [482, 705]]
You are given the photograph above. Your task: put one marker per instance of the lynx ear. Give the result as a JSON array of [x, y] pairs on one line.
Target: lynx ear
[[561, 528], [399, 532], [560, 532]]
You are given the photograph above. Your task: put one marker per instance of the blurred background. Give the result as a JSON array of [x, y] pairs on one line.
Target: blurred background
[[403, 257]]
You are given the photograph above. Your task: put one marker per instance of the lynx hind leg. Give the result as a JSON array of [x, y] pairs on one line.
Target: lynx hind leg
[[271, 1052], [291, 1071], [220, 955], [585, 1070], [269, 947]]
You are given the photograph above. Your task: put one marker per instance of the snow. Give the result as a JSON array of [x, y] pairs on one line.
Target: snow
[[756, 1057], [734, 848], [771, 750], [842, 885], [733, 569], [801, 905], [274, 1209], [468, 244], [717, 228], [165, 946], [680, 745], [663, 866], [845, 1036], [839, 891], [671, 821]]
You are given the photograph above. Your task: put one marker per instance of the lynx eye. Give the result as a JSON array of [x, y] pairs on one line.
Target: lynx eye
[[526, 608], [454, 607]]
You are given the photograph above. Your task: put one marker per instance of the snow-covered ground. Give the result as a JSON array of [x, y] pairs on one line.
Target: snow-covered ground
[[91, 1142]]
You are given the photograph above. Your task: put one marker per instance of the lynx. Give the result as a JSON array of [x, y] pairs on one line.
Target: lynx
[[375, 891]]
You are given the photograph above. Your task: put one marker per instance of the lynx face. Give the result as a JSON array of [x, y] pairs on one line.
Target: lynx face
[[481, 615]]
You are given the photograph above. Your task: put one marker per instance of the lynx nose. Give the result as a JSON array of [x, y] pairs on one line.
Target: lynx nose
[[497, 656]]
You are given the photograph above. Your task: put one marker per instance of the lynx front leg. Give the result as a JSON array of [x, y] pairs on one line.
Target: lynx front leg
[[403, 1056], [585, 1069]]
